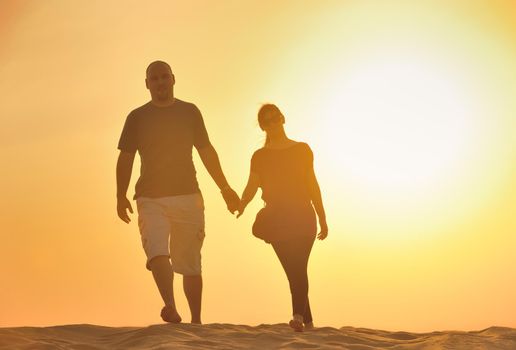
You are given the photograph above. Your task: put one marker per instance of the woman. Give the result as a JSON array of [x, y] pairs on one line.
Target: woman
[[283, 168]]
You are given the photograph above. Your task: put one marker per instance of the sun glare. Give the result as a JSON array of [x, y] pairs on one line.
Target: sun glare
[[398, 125]]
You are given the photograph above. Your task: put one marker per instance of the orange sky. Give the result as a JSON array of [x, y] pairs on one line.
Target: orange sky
[[408, 106]]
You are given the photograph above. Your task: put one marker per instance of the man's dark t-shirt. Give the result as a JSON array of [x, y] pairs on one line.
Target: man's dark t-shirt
[[164, 137]]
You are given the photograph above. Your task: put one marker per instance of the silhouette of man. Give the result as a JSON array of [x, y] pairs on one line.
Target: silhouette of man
[[169, 202]]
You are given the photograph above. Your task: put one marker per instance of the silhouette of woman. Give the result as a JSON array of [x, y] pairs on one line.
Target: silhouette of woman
[[283, 169]]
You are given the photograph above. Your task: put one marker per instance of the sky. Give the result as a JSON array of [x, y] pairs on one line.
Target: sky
[[408, 106]]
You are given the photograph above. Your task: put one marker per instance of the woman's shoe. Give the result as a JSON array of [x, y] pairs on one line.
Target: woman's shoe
[[309, 326]]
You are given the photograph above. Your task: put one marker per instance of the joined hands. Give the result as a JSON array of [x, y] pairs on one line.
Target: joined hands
[[231, 198]]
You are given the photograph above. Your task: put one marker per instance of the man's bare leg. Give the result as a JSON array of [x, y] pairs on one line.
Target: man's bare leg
[[192, 285], [164, 278]]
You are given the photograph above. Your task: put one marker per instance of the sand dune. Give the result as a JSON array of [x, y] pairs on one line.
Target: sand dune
[[227, 336]]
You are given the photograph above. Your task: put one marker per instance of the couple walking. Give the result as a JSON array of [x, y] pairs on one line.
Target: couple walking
[[170, 205]]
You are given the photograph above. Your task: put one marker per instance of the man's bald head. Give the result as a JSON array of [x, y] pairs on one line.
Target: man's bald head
[[156, 63], [160, 82]]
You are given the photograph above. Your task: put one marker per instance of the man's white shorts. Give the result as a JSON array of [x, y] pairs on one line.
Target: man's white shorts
[[174, 227]]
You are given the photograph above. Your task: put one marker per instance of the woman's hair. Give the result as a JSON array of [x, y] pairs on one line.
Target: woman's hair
[[267, 113]]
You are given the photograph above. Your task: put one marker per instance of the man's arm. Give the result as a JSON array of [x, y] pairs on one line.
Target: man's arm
[[210, 159], [124, 168]]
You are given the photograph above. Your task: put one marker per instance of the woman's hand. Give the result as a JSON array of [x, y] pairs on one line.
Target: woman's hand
[[324, 230]]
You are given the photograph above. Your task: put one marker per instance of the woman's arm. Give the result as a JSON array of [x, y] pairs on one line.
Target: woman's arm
[[315, 194], [249, 192]]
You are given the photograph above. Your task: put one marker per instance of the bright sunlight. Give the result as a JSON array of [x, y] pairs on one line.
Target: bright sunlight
[[403, 126]]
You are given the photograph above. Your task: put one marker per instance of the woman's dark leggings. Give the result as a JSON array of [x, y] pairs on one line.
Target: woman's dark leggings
[[293, 255]]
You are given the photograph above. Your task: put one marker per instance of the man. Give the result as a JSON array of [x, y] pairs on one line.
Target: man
[[170, 204]]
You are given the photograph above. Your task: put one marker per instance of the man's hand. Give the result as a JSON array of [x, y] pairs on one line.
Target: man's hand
[[122, 205], [231, 198], [241, 208], [324, 230]]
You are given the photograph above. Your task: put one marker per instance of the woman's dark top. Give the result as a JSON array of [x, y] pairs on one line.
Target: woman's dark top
[[284, 179]]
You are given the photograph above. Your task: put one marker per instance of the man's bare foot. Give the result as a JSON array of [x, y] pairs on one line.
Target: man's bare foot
[[296, 323], [169, 314]]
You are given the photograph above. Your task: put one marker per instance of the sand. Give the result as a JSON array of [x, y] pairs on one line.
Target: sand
[[228, 336]]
